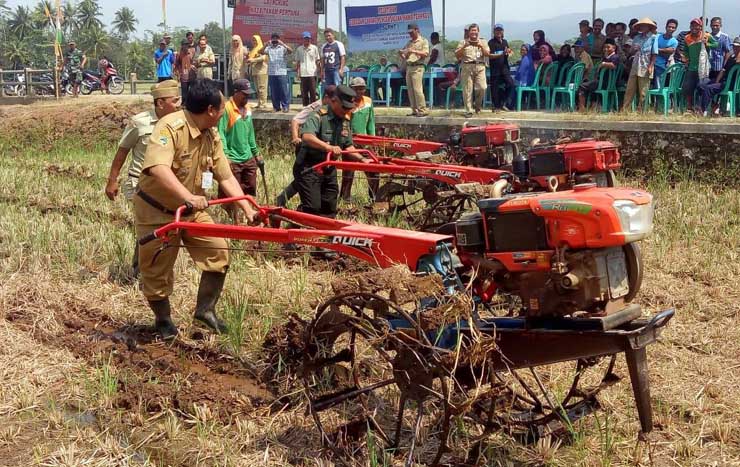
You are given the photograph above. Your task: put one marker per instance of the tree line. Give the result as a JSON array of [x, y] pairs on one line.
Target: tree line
[[28, 36]]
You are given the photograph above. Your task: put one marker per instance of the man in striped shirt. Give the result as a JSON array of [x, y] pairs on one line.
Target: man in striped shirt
[[719, 55]]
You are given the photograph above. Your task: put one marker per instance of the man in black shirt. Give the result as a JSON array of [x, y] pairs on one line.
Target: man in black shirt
[[501, 82]]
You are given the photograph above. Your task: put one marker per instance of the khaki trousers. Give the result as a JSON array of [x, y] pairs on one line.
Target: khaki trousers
[[473, 77], [636, 85], [415, 85], [157, 276], [260, 82]]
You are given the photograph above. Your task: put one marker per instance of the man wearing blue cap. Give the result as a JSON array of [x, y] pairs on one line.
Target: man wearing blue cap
[[307, 61], [501, 82]]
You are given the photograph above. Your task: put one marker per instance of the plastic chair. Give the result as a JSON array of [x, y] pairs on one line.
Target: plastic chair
[[370, 82], [563, 74], [731, 96], [670, 87], [539, 86], [607, 89], [573, 80]]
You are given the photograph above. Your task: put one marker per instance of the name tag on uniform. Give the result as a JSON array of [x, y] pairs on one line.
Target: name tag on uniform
[[207, 180]]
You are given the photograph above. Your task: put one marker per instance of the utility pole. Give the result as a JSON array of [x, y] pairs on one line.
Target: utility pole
[[340, 20], [223, 33]]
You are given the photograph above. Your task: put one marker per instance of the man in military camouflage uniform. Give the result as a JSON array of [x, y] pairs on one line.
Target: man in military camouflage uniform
[[327, 130], [134, 140], [184, 156], [74, 62]]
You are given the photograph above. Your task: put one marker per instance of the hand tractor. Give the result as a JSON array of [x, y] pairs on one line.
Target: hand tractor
[[428, 377], [448, 190]]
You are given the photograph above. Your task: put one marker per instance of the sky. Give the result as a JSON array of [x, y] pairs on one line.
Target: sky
[[182, 12]]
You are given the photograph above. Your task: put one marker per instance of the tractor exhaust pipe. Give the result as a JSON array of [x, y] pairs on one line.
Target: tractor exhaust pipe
[[499, 187]]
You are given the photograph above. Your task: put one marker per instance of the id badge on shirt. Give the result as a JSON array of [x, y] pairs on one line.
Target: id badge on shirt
[[207, 180]]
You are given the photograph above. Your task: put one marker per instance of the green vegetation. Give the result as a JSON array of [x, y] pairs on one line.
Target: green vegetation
[[60, 239], [28, 36]]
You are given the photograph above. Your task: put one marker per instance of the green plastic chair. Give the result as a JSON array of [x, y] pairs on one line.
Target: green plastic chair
[[607, 90], [563, 74], [731, 96], [573, 80], [540, 78], [670, 87]]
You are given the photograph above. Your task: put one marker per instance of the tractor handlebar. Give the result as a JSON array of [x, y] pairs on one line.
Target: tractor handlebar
[[187, 209]]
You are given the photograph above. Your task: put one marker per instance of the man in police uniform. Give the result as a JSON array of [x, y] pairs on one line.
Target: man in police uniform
[[415, 54], [473, 53], [326, 131], [183, 157], [134, 140]]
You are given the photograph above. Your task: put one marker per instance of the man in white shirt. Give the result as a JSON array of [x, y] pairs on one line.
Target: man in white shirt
[[307, 61], [437, 54]]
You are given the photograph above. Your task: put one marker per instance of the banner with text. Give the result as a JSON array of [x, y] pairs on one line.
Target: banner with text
[[289, 18], [384, 27]]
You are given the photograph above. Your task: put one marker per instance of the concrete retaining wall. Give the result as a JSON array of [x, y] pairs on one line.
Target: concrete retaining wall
[[707, 151]]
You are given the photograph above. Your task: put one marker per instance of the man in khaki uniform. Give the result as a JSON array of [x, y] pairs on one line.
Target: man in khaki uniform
[[415, 54], [134, 140], [473, 53], [183, 157]]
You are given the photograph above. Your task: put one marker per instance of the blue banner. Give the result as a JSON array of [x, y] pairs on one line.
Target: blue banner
[[384, 27]]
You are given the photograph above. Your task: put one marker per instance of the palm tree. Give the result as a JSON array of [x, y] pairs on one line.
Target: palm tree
[[124, 22], [69, 18], [39, 14], [21, 22], [94, 41], [17, 52], [88, 15]]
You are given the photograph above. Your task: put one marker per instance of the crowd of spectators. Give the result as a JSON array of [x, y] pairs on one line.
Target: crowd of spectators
[[635, 54]]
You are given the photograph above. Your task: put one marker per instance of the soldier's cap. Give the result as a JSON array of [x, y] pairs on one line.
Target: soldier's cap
[[243, 86], [346, 95], [736, 41], [357, 82], [168, 88], [413, 26], [166, 35]]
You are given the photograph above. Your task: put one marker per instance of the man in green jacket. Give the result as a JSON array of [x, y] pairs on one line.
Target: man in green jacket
[[362, 123], [237, 136]]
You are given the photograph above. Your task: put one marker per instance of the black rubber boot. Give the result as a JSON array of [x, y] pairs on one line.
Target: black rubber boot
[[162, 319], [209, 291]]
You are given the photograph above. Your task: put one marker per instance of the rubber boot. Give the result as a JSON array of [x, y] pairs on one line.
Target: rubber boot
[[162, 319], [346, 191], [209, 291]]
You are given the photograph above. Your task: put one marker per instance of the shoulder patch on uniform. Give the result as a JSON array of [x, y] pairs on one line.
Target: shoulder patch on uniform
[[163, 137], [177, 124]]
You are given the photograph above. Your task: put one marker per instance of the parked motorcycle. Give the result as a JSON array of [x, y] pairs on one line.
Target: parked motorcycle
[[93, 81]]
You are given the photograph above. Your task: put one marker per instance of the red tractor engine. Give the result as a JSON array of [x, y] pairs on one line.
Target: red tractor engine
[[493, 145], [562, 253], [565, 165]]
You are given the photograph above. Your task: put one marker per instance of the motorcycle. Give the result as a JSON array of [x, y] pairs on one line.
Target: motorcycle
[[93, 81]]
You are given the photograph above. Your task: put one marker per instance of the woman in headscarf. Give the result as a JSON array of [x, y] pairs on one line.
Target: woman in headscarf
[[237, 66], [539, 40], [257, 70], [524, 75]]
